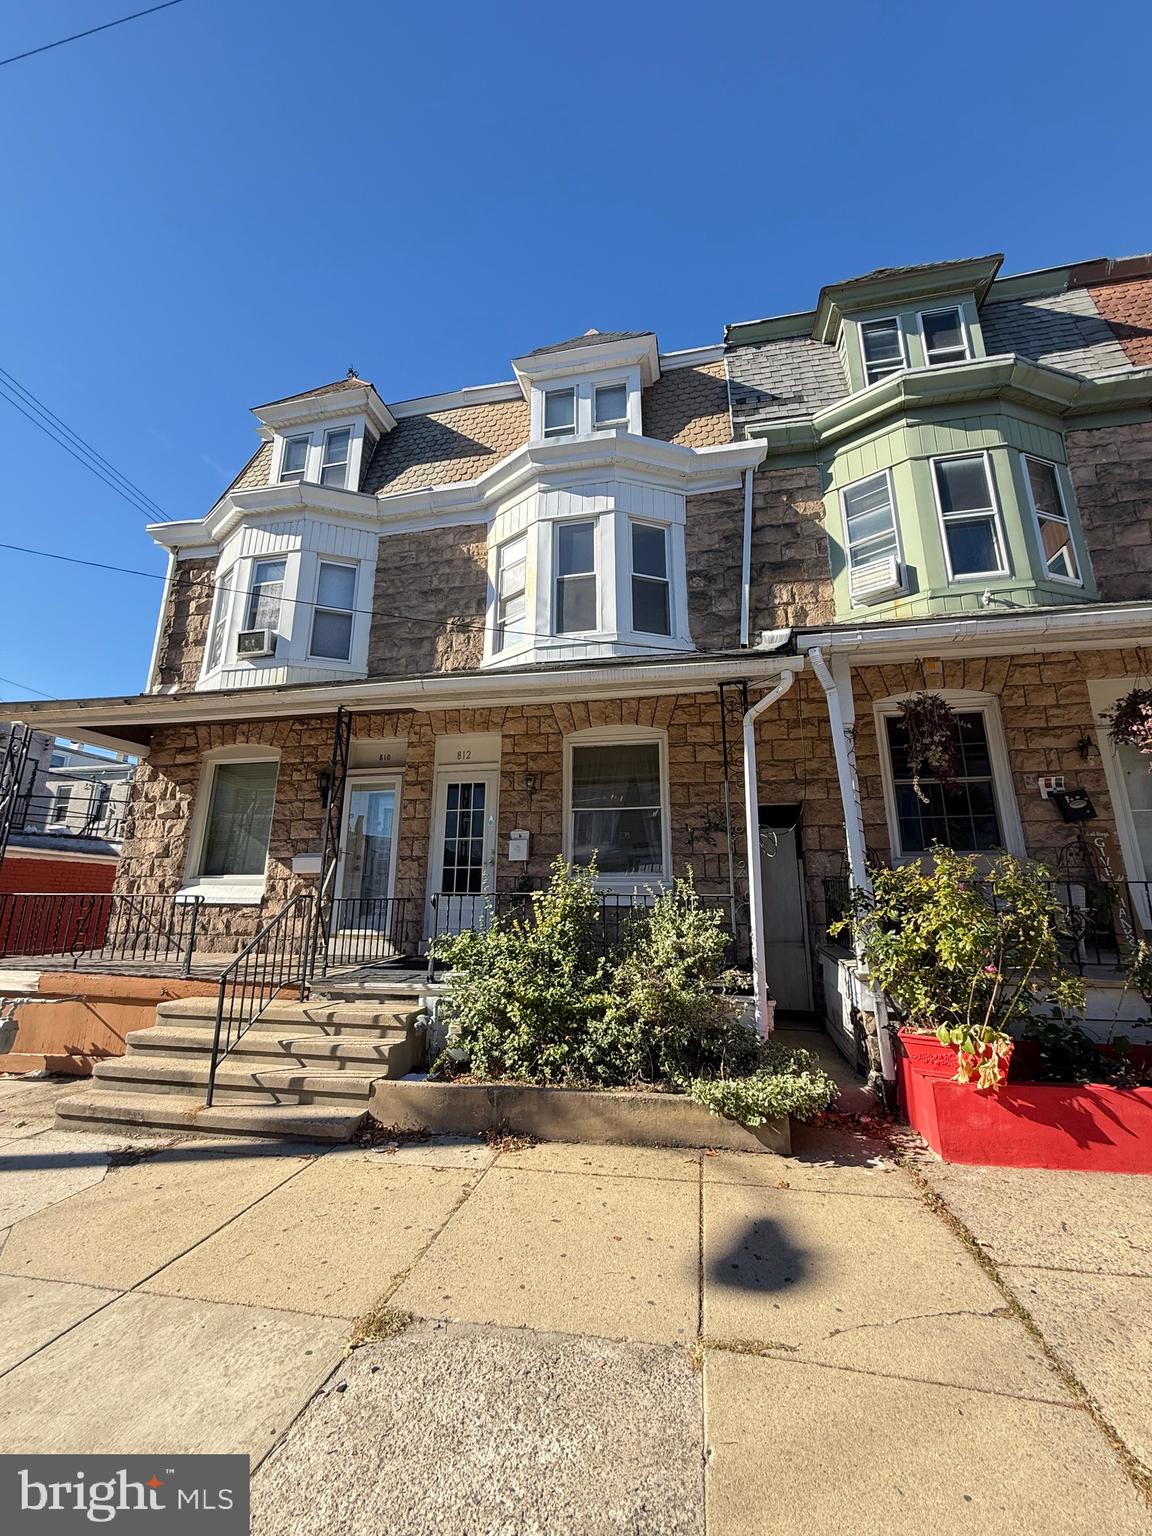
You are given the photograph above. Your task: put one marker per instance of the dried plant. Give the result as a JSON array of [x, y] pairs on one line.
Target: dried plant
[[931, 725]]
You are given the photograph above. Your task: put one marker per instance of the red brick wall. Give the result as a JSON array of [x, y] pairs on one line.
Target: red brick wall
[[46, 874]]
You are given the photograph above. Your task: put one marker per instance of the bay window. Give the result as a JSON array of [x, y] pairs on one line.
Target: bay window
[[1053, 529], [220, 618], [575, 560], [511, 586], [882, 344], [616, 809], [969, 520], [870, 529], [265, 594], [333, 614], [651, 605]]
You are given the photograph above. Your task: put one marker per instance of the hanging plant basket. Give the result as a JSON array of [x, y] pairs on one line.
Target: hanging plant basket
[[932, 740], [1130, 720]]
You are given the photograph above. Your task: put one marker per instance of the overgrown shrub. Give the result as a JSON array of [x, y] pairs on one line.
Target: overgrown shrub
[[535, 999]]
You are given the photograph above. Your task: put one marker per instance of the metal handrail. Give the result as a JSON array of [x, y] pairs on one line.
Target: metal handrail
[[108, 925], [280, 956]]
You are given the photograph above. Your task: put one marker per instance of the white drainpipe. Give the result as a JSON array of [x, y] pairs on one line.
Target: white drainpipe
[[746, 560], [854, 828], [752, 830]]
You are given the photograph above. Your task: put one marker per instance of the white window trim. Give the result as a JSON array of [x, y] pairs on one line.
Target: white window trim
[[851, 486], [900, 337], [293, 437], [585, 386], [223, 890], [493, 632], [329, 433], [994, 512], [613, 736], [574, 635], [251, 602], [554, 434], [1003, 788], [317, 437], [315, 605], [1065, 517], [944, 309], [223, 610], [652, 637], [1102, 695]]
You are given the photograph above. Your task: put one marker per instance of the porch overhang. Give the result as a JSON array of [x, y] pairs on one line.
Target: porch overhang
[[1095, 627], [126, 724]]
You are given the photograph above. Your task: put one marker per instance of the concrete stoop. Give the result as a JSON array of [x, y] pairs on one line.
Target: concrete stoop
[[302, 1070]]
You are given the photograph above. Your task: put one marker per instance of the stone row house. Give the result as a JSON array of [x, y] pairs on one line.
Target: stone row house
[[584, 611]]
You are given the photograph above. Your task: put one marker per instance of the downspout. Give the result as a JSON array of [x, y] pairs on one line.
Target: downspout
[[854, 830], [746, 560], [752, 831]]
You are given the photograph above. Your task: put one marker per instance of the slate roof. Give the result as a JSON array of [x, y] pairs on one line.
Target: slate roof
[[791, 376], [446, 446], [1065, 330]]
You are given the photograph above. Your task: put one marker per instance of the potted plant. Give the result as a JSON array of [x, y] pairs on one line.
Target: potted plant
[[961, 954], [1130, 720], [932, 742]]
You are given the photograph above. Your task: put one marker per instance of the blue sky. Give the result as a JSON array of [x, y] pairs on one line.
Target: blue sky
[[233, 200]]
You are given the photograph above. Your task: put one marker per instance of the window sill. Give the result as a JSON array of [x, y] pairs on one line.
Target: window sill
[[223, 893]]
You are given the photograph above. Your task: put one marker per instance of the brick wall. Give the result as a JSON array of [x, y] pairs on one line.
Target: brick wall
[[429, 602], [47, 874], [1111, 468]]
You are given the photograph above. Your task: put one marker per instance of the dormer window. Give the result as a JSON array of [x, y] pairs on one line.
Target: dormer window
[[559, 413], [610, 407], [945, 339], [294, 465], [883, 347], [334, 465]]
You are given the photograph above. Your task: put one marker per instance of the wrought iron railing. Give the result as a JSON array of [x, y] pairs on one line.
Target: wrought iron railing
[[368, 931], [48, 816], [277, 960], [613, 923], [100, 925]]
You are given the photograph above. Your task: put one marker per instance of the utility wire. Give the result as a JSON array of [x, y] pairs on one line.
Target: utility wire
[[390, 616], [59, 43], [88, 464], [155, 509], [24, 688]]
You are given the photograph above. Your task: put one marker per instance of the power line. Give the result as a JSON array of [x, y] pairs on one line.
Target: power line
[[384, 616], [24, 688], [59, 43], [50, 431], [155, 508]]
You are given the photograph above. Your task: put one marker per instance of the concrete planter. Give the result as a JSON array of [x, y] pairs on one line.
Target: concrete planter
[[567, 1114]]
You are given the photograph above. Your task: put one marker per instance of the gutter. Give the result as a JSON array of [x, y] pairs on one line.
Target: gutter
[[752, 833], [858, 875]]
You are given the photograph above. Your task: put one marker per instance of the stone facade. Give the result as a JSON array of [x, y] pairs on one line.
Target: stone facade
[[184, 632], [430, 602], [1111, 468]]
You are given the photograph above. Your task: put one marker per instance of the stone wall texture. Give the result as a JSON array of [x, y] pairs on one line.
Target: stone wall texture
[[1111, 468], [184, 631], [429, 602]]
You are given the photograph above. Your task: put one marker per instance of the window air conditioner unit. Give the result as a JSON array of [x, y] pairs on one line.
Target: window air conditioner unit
[[878, 579], [251, 643]]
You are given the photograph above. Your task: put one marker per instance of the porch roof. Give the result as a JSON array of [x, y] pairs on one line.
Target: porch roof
[[126, 723]]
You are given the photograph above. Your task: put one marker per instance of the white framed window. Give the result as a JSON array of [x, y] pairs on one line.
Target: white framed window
[[559, 412], [265, 595], [511, 587], [609, 406], [220, 612], [294, 460], [334, 611], [334, 461], [575, 565], [976, 814], [969, 518], [882, 344], [944, 335], [1053, 528], [871, 535], [651, 590], [617, 806], [232, 825]]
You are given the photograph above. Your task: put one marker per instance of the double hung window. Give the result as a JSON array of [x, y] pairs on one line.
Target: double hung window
[[973, 540]]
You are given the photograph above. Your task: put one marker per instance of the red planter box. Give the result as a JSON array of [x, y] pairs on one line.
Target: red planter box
[[1081, 1127]]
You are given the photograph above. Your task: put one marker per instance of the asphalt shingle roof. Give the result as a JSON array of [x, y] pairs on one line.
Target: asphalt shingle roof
[[1065, 330], [592, 339]]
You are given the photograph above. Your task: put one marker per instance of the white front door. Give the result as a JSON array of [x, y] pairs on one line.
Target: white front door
[[463, 854], [368, 855]]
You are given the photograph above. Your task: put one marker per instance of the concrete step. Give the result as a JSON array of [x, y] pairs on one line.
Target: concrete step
[[235, 1079], [320, 1017], [280, 1046], [95, 1109]]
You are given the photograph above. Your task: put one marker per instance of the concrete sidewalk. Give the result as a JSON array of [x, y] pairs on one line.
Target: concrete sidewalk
[[571, 1339]]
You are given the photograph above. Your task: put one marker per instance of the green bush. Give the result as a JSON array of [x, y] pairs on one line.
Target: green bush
[[533, 998]]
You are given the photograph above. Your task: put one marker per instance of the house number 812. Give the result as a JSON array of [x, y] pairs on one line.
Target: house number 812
[[465, 756]]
